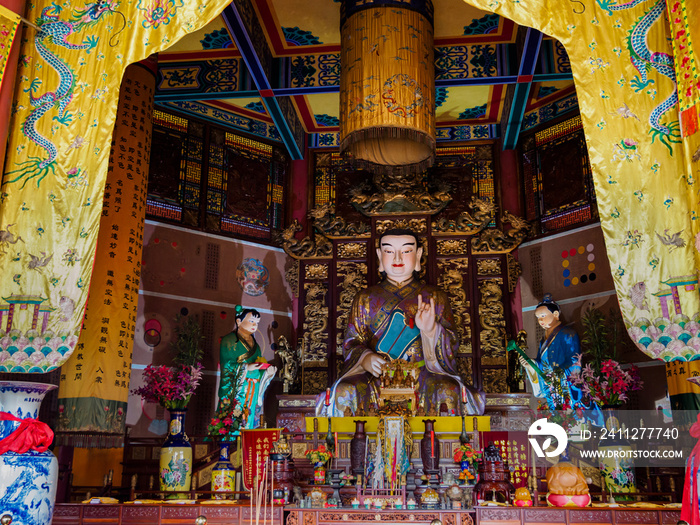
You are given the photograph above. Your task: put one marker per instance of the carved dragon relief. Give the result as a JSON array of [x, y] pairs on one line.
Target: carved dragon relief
[[451, 279], [467, 223], [325, 221], [494, 241], [315, 350], [400, 194], [354, 277], [493, 323], [316, 247]]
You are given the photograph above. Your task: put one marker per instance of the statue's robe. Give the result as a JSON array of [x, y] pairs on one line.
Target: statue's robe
[[381, 320], [249, 391]]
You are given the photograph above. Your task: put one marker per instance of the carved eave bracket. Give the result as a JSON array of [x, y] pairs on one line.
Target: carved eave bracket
[[495, 241], [315, 246], [325, 221], [467, 223]]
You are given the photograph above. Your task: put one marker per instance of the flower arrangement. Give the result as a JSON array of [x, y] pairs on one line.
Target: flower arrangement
[[466, 453], [319, 455], [557, 406], [170, 386], [227, 422], [173, 386], [608, 385]]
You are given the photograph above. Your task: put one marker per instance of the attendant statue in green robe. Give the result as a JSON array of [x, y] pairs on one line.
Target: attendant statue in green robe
[[245, 375], [400, 318]]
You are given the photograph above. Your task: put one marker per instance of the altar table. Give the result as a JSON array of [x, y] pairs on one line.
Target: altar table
[[586, 516]]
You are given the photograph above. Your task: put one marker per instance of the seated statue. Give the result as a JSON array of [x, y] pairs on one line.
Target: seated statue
[[245, 375], [400, 318]]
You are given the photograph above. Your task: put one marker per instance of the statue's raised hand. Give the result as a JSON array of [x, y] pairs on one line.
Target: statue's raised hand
[[425, 316], [373, 364]]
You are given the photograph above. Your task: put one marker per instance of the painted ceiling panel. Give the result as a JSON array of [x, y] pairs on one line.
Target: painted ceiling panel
[[213, 34], [455, 20], [467, 104], [474, 58]]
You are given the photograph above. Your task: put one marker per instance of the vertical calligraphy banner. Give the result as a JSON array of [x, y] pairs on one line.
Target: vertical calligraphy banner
[[256, 449], [94, 383]]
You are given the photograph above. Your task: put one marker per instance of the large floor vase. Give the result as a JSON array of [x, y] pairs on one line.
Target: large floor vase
[[28, 479], [176, 458]]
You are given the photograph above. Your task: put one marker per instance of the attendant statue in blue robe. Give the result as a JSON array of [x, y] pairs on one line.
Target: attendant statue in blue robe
[[400, 318], [558, 354]]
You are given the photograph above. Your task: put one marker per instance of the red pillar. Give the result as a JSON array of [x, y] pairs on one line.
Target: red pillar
[[7, 89], [511, 200], [299, 185]]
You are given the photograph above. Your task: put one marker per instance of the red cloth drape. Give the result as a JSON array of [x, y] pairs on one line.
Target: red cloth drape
[[31, 434]]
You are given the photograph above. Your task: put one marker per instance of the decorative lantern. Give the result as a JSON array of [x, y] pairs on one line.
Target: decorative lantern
[[387, 84]]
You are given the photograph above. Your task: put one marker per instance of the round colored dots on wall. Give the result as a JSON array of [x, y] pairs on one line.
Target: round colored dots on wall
[[592, 277], [591, 267], [574, 281], [578, 261], [581, 249], [566, 273], [591, 257], [567, 282], [565, 264], [564, 254], [584, 279], [589, 248], [572, 252]]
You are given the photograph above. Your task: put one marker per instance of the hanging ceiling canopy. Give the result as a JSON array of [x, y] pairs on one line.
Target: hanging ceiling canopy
[[272, 69]]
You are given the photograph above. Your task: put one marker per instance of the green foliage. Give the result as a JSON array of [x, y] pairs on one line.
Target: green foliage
[[603, 338], [187, 347]]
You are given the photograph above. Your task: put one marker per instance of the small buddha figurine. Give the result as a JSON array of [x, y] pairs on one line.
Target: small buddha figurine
[[522, 497], [566, 485]]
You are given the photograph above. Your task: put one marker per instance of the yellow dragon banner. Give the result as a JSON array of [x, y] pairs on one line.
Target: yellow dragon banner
[[57, 158], [646, 178]]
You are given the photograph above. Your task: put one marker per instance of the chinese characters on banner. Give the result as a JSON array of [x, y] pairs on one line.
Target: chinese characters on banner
[[256, 449], [95, 381], [514, 448]]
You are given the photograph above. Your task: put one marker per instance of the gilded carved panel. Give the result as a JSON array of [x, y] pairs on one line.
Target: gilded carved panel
[[492, 321], [352, 250], [417, 225], [354, 278], [316, 272], [494, 380], [488, 267], [291, 274], [451, 279], [315, 339], [515, 270], [314, 382], [452, 246]]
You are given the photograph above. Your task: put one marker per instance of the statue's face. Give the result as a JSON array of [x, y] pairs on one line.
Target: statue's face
[[546, 318], [249, 323], [399, 257]]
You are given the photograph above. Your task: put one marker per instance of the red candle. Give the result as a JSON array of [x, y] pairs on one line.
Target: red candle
[[336, 445], [464, 394], [432, 443], [328, 396]]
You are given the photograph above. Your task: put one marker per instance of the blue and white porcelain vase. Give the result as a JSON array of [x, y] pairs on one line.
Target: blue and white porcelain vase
[[28, 480]]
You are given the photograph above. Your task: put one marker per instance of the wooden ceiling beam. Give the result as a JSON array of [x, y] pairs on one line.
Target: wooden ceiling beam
[[521, 93], [246, 31]]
